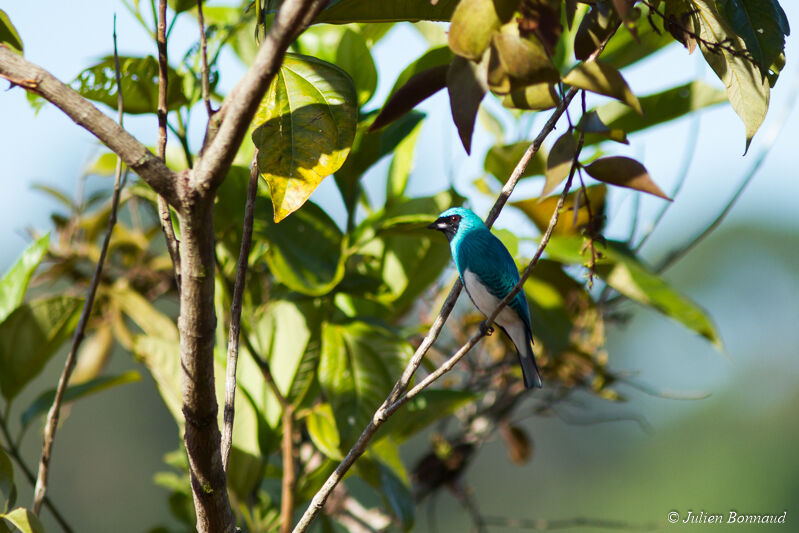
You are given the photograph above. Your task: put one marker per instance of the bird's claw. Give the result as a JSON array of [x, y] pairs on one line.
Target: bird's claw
[[486, 329]]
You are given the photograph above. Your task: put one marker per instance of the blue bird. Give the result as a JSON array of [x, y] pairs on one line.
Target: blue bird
[[489, 273]]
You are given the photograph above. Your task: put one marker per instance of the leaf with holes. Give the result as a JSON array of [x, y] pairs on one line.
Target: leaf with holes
[[624, 172], [304, 128]]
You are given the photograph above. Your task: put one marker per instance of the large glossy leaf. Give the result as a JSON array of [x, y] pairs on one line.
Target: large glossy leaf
[[8, 491], [659, 107], [601, 78], [14, 282], [30, 336], [24, 520], [624, 272], [8, 33], [304, 129], [346, 49], [747, 89], [624, 172], [306, 251], [501, 159], [424, 409], [139, 76], [761, 24], [346, 11], [75, 392], [359, 365]]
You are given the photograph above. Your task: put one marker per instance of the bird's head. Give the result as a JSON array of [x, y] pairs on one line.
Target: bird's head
[[454, 220]]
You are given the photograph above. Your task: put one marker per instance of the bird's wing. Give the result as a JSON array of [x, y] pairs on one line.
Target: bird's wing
[[486, 256]]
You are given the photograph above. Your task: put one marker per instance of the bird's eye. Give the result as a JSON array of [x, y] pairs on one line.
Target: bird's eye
[[454, 218]]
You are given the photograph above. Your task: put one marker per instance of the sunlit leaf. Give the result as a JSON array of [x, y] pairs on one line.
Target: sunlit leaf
[[15, 281], [474, 22], [624, 49], [75, 392], [747, 89], [24, 520], [139, 78], [8, 33], [346, 11], [466, 84], [304, 128], [570, 222], [30, 336], [322, 430], [523, 58], [601, 78], [624, 172], [594, 28], [535, 97], [401, 165], [627, 274]]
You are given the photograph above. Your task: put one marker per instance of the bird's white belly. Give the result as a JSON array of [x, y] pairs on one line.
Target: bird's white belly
[[487, 302]]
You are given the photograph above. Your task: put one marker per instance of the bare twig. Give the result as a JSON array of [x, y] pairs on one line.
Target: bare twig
[[134, 154], [235, 313], [204, 55], [164, 215], [14, 453], [52, 416]]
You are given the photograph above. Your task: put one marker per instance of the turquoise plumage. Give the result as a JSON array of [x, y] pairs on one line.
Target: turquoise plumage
[[489, 273]]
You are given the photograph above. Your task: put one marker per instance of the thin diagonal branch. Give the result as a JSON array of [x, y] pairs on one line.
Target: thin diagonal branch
[[164, 215], [204, 55], [227, 127], [134, 154], [52, 416], [235, 313]]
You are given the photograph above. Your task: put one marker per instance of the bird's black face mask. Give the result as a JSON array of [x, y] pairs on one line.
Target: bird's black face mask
[[447, 225]]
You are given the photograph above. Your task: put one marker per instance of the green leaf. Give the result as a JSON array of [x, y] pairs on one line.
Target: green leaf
[[162, 359], [346, 49], [659, 107], [75, 392], [179, 6], [14, 282], [152, 321], [594, 28], [624, 49], [306, 251], [401, 165], [627, 274], [501, 159], [30, 336], [466, 85], [624, 172], [474, 22], [398, 495], [601, 78], [523, 58], [322, 430], [8, 491], [422, 410], [435, 57], [747, 90], [304, 129], [8, 33], [346, 11], [559, 161], [535, 97], [359, 365], [761, 24], [24, 520], [139, 78]]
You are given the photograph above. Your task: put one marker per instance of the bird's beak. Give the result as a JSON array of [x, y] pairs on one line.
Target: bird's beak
[[439, 225]]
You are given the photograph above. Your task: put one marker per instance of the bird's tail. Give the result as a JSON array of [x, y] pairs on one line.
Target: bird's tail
[[532, 377]]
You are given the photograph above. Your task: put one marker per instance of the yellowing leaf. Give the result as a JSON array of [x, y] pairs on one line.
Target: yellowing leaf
[[535, 97], [24, 520], [624, 172], [601, 78], [473, 24], [304, 129]]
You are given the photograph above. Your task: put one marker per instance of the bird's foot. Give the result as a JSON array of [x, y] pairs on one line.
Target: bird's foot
[[486, 329]]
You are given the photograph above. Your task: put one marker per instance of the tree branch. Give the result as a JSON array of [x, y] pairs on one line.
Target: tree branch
[[164, 215], [134, 154], [204, 54], [227, 127], [235, 313], [52, 416]]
